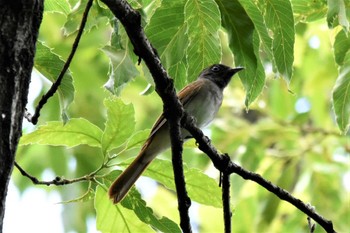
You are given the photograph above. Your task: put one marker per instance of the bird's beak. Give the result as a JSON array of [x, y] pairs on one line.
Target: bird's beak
[[236, 70]]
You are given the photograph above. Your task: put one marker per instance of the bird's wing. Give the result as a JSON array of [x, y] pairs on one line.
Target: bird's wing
[[185, 95]]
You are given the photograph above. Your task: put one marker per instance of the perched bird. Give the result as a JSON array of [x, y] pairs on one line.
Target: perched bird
[[200, 99]]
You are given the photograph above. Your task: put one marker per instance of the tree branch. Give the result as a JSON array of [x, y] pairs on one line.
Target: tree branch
[[226, 201], [224, 164], [164, 86], [58, 180], [131, 21], [34, 119]]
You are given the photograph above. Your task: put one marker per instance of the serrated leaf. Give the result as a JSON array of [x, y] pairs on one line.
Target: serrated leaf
[[134, 202], [341, 47], [203, 23], [309, 11], [49, 64], [280, 22], [97, 14], [341, 96], [122, 69], [243, 45], [197, 183], [76, 131], [253, 11], [338, 13], [167, 32], [61, 6], [116, 218], [120, 124]]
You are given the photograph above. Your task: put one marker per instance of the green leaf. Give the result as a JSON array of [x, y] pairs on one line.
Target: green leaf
[[61, 6], [116, 218], [197, 183], [338, 13], [97, 14], [204, 49], [280, 22], [241, 39], [137, 139], [171, 41], [341, 47], [309, 11], [87, 196], [134, 202], [253, 11], [122, 69], [120, 123], [76, 131], [49, 64], [285, 181], [341, 96]]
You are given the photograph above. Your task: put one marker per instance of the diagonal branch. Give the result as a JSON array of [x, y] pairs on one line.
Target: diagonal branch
[[131, 20], [173, 110], [224, 164]]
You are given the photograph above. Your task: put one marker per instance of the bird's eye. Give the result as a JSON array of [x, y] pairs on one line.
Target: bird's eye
[[215, 68]]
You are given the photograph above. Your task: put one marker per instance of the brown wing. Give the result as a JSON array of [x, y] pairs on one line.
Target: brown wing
[[185, 95]]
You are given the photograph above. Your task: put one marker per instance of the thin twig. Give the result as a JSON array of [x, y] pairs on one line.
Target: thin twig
[[59, 180], [56, 84]]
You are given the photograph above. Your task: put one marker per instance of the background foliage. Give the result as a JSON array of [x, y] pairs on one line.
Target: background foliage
[[296, 86]]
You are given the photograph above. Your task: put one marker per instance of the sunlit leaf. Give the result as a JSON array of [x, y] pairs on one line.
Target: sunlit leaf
[[198, 184], [341, 96], [341, 47], [97, 14], [134, 202], [116, 218], [280, 23], [87, 196], [338, 13], [122, 69], [76, 131], [61, 7], [309, 11], [241, 41], [252, 9], [285, 181], [167, 33], [49, 64], [120, 123], [137, 139], [204, 49]]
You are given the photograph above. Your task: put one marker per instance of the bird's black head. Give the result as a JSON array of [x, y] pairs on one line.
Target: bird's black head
[[219, 74]]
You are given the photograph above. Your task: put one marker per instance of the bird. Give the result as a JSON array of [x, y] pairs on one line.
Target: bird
[[201, 99]]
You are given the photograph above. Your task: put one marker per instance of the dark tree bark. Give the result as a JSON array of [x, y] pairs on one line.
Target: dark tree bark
[[19, 26]]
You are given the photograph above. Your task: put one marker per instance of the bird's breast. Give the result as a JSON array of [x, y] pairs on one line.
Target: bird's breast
[[205, 105]]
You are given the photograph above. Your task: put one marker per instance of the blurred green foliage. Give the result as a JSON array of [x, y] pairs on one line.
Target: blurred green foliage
[[296, 86]]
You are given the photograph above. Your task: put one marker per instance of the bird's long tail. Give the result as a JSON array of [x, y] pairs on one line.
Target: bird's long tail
[[126, 180]]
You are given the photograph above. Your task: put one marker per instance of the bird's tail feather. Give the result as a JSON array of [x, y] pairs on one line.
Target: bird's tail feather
[[126, 180]]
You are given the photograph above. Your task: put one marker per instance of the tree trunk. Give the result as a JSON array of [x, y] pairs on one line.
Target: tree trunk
[[19, 26]]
